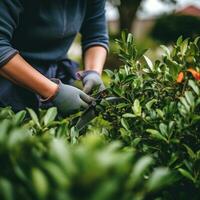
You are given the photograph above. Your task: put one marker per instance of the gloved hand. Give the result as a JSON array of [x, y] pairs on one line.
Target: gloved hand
[[90, 79], [69, 99]]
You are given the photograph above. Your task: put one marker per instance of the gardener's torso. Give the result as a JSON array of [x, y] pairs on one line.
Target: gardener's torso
[[47, 28]]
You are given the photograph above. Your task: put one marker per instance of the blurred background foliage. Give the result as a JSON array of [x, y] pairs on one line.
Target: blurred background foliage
[[152, 22], [169, 27]]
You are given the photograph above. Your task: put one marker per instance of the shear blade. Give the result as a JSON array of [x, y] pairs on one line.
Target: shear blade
[[88, 116], [112, 100]]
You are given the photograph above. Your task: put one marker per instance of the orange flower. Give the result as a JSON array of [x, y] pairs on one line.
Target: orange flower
[[194, 73], [180, 77]]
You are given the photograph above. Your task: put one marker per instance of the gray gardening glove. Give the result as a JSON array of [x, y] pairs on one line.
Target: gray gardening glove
[[91, 79], [70, 99]]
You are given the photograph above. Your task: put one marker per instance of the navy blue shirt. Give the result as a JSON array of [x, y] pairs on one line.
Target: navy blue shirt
[[43, 30]]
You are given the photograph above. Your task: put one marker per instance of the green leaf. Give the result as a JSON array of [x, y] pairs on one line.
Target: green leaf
[[184, 46], [20, 173], [186, 174], [125, 134], [183, 111], [179, 41], [196, 40], [109, 73], [198, 155], [19, 117], [198, 101], [4, 127], [150, 103], [190, 151], [157, 135], [74, 133], [190, 98], [139, 170], [137, 109], [163, 129], [6, 191], [173, 159], [40, 183], [125, 124], [130, 38], [174, 68], [128, 115], [171, 126], [56, 173], [149, 63], [166, 50], [136, 141], [195, 119], [50, 115], [16, 137], [117, 91], [160, 113], [123, 36], [193, 85], [159, 179], [184, 102], [34, 117], [105, 190]]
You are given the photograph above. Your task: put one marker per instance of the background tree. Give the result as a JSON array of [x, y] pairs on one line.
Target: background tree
[[128, 10], [169, 27]]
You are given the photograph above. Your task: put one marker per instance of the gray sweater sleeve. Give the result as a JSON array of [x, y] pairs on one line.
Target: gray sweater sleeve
[[10, 11], [94, 29]]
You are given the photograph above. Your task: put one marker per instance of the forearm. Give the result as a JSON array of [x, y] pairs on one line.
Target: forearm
[[6, 76], [94, 58], [21, 73]]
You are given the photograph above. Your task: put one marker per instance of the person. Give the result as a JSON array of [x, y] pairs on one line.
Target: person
[[35, 36]]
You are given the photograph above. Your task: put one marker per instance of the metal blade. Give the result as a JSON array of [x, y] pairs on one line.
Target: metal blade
[[92, 111], [115, 99], [112, 100], [87, 116]]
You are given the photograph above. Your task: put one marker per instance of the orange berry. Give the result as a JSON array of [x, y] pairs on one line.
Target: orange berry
[[194, 73], [180, 77]]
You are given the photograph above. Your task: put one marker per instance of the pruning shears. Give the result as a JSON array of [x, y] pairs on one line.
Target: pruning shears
[[96, 107]]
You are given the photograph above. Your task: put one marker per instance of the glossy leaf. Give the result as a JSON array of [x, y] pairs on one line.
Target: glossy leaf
[[50, 116]]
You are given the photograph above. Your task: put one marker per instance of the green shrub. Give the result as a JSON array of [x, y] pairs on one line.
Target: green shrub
[[46, 167], [159, 115], [169, 27]]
